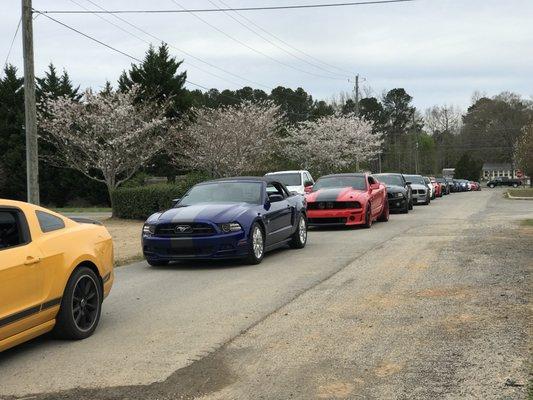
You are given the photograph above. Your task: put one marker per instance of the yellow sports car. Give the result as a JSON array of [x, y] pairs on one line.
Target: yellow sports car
[[54, 273]]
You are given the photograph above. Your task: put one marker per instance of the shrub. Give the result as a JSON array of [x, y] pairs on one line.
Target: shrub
[[140, 202]]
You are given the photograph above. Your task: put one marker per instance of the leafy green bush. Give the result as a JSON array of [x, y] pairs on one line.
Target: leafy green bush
[[140, 202]]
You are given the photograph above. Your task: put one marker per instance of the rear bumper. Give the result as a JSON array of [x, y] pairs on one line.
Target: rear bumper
[[347, 217], [231, 245]]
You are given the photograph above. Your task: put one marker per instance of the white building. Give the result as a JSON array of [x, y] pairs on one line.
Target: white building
[[494, 170]]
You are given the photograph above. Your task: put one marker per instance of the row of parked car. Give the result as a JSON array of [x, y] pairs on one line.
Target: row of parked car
[[55, 271]]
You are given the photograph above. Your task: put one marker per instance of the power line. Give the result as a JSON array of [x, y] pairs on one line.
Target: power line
[[89, 37], [252, 48], [13, 41], [179, 49], [285, 43], [136, 59], [263, 8], [270, 41], [148, 42], [188, 54]]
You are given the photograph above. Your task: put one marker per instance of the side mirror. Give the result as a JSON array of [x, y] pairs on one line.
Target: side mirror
[[175, 201], [408, 183], [308, 189]]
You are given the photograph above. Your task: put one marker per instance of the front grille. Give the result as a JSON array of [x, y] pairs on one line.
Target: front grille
[[333, 205], [182, 251], [184, 229], [420, 191], [318, 221]]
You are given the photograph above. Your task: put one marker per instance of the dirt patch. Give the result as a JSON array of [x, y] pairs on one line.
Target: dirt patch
[[388, 368], [126, 239], [207, 375], [335, 390], [450, 292]]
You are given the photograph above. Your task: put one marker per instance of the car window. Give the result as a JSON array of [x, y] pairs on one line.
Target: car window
[[391, 180], [49, 222], [13, 229], [223, 192], [357, 182], [288, 179]]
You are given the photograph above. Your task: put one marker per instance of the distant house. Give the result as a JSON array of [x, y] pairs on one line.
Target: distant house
[[494, 170]]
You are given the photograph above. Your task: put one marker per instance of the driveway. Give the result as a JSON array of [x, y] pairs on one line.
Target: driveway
[[433, 304]]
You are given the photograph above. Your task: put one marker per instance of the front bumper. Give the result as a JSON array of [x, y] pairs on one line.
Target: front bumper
[[228, 245], [419, 198], [343, 217], [397, 203]]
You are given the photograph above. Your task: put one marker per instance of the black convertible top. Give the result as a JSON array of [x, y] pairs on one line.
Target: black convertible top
[[265, 179], [344, 174]]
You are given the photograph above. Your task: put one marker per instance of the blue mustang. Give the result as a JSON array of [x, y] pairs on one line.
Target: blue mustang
[[227, 218]]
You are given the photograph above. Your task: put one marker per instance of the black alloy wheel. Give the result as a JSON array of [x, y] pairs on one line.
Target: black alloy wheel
[[81, 305]]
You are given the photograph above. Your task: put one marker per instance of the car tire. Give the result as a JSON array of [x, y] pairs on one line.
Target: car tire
[[385, 213], [157, 263], [515, 185], [406, 208], [299, 237], [81, 306], [256, 245], [368, 217], [491, 186], [411, 206], [428, 200]]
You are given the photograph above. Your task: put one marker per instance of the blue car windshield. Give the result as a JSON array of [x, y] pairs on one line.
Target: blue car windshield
[[356, 182], [224, 192]]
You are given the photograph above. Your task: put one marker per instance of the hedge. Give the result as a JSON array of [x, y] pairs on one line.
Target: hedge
[[142, 201]]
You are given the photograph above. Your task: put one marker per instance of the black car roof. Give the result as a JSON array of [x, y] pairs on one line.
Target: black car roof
[[344, 174], [265, 179]]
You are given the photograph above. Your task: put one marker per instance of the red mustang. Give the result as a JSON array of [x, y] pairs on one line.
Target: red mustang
[[347, 199]]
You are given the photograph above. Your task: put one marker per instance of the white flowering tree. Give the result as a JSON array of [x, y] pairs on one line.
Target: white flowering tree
[[106, 136], [333, 143], [231, 140]]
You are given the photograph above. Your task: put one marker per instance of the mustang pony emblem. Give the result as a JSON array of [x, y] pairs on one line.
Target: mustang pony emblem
[[183, 228]]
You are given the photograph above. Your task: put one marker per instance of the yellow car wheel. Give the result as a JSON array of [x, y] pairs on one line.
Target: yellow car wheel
[[81, 305]]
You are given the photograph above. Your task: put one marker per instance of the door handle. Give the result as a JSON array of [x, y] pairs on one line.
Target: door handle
[[32, 260]]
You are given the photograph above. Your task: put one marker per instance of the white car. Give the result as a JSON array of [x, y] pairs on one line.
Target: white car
[[295, 181], [430, 186]]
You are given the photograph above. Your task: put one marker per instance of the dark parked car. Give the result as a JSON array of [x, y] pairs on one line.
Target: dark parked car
[[227, 218], [399, 192], [504, 181]]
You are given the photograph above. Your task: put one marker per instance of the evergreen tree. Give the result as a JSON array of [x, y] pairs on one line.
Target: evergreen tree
[[468, 168], [159, 80], [12, 139]]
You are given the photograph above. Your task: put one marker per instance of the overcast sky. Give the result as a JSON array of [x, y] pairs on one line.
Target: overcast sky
[[440, 51]]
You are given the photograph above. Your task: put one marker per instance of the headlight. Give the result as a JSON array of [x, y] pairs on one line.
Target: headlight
[[399, 194], [230, 227], [148, 229]]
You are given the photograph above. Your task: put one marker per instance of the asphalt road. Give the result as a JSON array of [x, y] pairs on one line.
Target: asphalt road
[[433, 304]]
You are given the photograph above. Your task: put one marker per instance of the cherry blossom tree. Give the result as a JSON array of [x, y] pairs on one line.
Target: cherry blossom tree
[[230, 140], [106, 136], [333, 143]]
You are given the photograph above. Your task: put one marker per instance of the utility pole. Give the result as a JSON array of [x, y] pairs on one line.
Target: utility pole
[[30, 111], [356, 91]]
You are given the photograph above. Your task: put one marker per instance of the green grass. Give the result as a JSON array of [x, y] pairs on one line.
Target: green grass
[[527, 222], [526, 192], [81, 209]]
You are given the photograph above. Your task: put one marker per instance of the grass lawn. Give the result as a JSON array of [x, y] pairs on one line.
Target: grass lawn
[[81, 209], [527, 222], [526, 192]]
